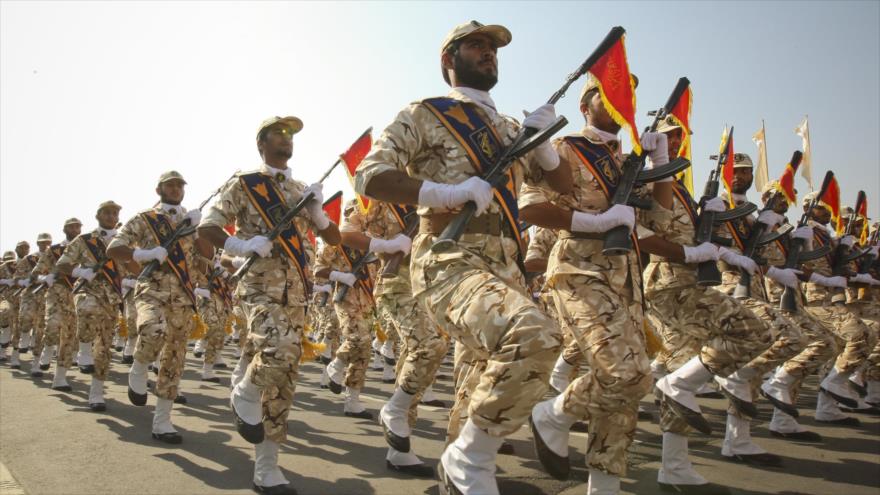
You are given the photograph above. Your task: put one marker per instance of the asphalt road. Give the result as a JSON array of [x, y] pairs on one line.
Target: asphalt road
[[51, 443]]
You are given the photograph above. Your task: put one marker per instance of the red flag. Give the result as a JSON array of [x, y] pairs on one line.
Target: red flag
[[681, 114], [786, 181], [862, 211], [353, 157], [830, 197], [230, 229], [333, 209], [726, 152], [617, 88]]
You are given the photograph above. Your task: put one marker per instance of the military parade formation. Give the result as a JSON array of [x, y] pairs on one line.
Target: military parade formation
[[568, 280]]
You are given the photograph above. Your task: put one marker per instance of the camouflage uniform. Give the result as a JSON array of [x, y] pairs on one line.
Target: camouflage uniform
[[598, 299], [31, 306], [96, 308], [214, 313], [164, 308], [474, 292], [323, 319], [8, 303], [60, 314], [273, 301]]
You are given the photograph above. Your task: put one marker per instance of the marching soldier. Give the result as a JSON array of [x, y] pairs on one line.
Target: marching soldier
[[33, 306], [213, 307], [21, 277], [165, 300], [7, 308], [431, 156], [96, 302], [60, 314], [273, 292]]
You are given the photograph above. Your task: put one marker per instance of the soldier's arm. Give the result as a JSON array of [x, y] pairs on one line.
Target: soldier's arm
[[121, 247], [353, 228], [546, 215], [220, 214], [659, 246], [382, 174]]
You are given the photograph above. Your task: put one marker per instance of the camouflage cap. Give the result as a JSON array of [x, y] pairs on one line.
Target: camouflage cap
[[171, 175], [809, 198], [72, 221], [22, 244], [293, 123], [108, 204], [670, 124], [847, 210], [499, 34], [593, 83], [742, 160], [45, 236], [9, 256]]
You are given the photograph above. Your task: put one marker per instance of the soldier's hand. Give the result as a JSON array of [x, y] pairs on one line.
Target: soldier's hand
[[449, 196], [157, 253], [848, 241], [321, 288], [834, 282], [194, 217], [655, 143], [129, 283], [737, 260], [770, 218], [6, 281], [203, 293], [864, 278], [84, 273], [315, 207], [542, 117], [715, 204], [24, 282], [400, 243], [258, 244], [49, 280], [343, 277], [603, 222], [699, 254], [787, 277]]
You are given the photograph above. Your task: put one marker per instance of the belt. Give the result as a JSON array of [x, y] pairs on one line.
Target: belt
[[483, 224], [593, 236]]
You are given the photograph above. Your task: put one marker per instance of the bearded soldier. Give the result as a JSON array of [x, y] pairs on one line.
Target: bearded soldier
[[273, 293], [96, 303], [33, 309], [432, 156]]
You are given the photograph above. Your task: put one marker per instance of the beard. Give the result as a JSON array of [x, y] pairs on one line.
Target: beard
[[167, 200], [741, 187], [468, 74]]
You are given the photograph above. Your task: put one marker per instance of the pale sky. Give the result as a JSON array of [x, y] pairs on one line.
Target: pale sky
[[98, 98]]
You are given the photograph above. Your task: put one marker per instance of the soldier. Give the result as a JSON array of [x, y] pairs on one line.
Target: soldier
[[213, 306], [380, 230], [21, 276], [96, 303], [355, 314], [325, 323], [475, 292], [33, 308], [7, 314], [129, 314], [597, 298], [165, 300], [273, 293], [60, 314]]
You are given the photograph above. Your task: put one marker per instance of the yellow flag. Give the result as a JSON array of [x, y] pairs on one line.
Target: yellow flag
[[762, 173]]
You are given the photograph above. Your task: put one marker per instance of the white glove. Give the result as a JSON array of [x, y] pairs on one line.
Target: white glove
[[542, 117], [343, 277], [864, 278], [194, 216], [6, 281], [848, 241], [238, 261], [157, 253], [203, 293], [321, 288], [787, 277], [875, 251], [315, 207], [400, 243], [655, 143], [839, 282], [715, 204], [129, 283], [24, 282], [770, 218], [698, 254], [738, 260], [605, 221], [806, 234], [85, 273], [434, 195], [257, 244], [49, 279]]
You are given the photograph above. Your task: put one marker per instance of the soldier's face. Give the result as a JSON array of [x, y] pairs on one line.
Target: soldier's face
[[71, 231], [43, 245], [108, 218], [171, 191], [673, 142], [277, 143], [742, 180], [821, 215], [596, 115], [22, 251], [475, 63]]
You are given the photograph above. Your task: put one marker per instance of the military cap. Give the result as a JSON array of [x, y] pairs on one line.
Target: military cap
[[810, 197], [499, 34], [72, 221], [108, 204], [669, 124], [171, 175], [742, 160], [294, 124], [22, 244], [44, 237], [771, 186], [847, 210], [593, 83], [8, 256]]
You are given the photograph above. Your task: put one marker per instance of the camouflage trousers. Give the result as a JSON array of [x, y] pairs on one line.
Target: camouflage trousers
[[607, 326], [422, 348], [498, 322], [326, 325], [30, 318], [164, 323], [851, 333], [869, 313], [355, 314], [60, 318], [214, 315], [95, 321], [704, 322], [9, 309], [239, 324], [273, 349], [466, 372]]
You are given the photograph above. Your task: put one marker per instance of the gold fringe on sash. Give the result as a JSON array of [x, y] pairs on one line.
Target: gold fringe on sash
[[199, 328], [123, 326]]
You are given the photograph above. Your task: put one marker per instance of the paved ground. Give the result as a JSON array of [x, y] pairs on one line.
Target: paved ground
[[52, 444]]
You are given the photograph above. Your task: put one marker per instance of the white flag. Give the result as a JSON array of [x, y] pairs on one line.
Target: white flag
[[803, 130], [762, 174]]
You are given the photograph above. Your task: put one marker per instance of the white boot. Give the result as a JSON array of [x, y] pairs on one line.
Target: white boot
[[47, 355], [128, 350], [779, 385], [208, 373], [96, 392], [784, 423], [676, 467], [387, 350], [836, 383], [137, 377], [266, 470], [353, 402], [377, 362], [162, 417], [826, 408], [553, 424], [60, 378], [602, 483], [328, 348], [737, 384], [560, 377], [388, 375], [239, 371], [658, 370], [325, 378], [246, 399], [738, 438], [35, 365], [219, 362], [428, 395], [873, 396], [336, 371], [13, 359], [393, 417], [199, 348], [84, 357], [5, 336], [24, 341], [402, 458], [682, 384], [236, 351], [469, 461]]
